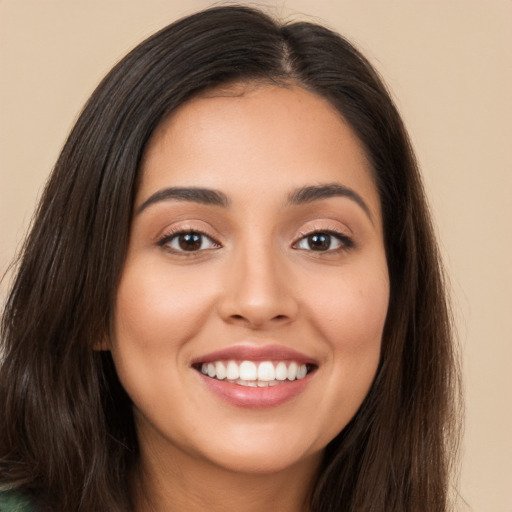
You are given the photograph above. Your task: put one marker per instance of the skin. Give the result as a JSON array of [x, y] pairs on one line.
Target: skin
[[256, 281]]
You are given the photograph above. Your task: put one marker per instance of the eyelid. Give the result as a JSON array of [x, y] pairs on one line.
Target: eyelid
[[186, 225], [173, 231], [342, 235]]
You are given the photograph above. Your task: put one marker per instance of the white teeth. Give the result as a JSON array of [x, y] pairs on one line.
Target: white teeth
[[232, 372], [281, 371], [247, 383], [249, 373], [302, 371], [266, 371], [220, 370], [292, 371]]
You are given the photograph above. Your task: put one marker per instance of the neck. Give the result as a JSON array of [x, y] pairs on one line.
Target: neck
[[184, 483]]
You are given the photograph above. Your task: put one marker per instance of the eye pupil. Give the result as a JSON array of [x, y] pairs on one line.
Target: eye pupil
[[190, 241], [319, 241]]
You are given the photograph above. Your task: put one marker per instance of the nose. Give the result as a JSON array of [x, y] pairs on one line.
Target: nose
[[258, 290]]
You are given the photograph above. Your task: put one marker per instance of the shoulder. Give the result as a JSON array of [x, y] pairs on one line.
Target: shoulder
[[11, 501]]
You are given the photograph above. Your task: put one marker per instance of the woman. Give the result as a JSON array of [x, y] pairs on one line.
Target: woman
[[231, 296]]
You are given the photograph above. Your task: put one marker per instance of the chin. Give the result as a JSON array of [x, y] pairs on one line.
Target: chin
[[264, 451]]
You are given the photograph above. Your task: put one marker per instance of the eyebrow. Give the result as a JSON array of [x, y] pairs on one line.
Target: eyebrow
[[212, 197], [193, 194], [318, 192]]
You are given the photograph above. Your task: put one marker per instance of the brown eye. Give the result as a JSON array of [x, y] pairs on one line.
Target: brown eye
[[188, 241], [319, 242], [324, 241]]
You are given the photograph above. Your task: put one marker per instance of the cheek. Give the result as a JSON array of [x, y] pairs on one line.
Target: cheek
[[153, 309], [350, 308], [349, 313], [156, 316]]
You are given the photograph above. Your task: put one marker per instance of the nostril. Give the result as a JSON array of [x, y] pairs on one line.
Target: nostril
[[243, 318]]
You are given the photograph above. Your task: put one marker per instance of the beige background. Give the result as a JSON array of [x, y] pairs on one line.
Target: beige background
[[449, 66]]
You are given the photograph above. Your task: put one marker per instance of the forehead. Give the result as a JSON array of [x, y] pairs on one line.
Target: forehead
[[253, 105], [260, 136]]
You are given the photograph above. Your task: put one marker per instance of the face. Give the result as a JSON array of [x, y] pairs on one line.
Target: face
[[251, 306]]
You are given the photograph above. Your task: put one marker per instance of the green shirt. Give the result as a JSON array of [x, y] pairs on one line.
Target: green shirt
[[11, 501]]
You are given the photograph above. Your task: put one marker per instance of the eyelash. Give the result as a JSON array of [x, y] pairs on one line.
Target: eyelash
[[166, 239], [346, 243]]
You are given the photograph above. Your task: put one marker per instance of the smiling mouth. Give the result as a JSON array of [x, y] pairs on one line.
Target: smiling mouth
[[259, 374]]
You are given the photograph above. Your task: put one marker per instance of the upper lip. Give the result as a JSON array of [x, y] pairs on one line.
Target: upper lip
[[255, 353]]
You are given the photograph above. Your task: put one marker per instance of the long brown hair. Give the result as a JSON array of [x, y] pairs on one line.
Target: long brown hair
[[67, 436]]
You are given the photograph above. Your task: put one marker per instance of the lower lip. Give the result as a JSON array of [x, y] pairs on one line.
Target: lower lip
[[244, 396]]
